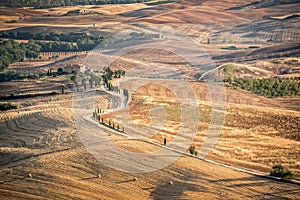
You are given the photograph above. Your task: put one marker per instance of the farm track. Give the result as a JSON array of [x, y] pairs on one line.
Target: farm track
[[43, 141], [68, 170], [62, 168], [117, 106]]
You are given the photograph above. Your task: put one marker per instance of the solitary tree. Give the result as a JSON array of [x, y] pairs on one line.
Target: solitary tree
[[229, 72]]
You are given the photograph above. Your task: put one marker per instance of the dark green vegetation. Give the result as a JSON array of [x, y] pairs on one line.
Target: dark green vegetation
[[192, 150], [54, 42], [281, 172], [97, 115], [7, 106], [11, 51], [23, 96], [20, 75], [270, 87], [235, 48], [82, 45], [82, 81], [71, 37], [58, 3], [229, 48], [228, 72]]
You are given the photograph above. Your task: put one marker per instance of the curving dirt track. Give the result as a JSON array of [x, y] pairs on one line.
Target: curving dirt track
[[42, 140]]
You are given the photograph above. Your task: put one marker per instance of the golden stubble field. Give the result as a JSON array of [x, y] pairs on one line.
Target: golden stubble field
[[41, 139], [258, 132]]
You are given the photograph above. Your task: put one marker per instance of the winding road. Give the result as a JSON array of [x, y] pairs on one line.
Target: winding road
[[119, 103]]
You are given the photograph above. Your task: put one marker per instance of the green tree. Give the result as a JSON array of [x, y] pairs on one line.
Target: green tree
[[228, 71], [32, 50]]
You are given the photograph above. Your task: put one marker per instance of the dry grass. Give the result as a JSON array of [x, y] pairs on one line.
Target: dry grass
[[41, 139], [251, 129]]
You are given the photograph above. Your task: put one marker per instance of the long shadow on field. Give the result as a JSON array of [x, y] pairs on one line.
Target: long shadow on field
[[168, 191], [89, 178], [126, 181]]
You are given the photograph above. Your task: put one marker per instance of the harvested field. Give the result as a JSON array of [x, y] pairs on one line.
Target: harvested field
[[34, 151], [52, 148]]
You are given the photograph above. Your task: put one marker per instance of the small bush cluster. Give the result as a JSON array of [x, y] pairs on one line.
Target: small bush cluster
[[229, 48], [281, 172], [193, 151], [7, 106]]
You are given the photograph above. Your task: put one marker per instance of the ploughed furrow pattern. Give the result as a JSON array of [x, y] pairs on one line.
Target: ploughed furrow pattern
[[26, 133], [266, 31]]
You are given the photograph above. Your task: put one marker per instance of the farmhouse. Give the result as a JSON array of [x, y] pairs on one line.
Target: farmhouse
[[74, 69]]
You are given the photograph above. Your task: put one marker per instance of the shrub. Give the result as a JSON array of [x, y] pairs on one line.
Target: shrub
[[253, 47], [73, 78], [281, 172], [229, 48], [7, 106], [193, 151], [60, 71]]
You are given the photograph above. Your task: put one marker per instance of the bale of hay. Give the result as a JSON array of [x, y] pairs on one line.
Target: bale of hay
[[171, 182], [135, 179], [98, 175], [29, 175]]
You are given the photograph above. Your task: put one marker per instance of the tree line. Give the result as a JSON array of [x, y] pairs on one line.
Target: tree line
[[25, 74], [84, 45], [12, 51], [97, 115], [58, 3], [270, 87], [57, 42], [70, 37], [81, 81], [7, 106]]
